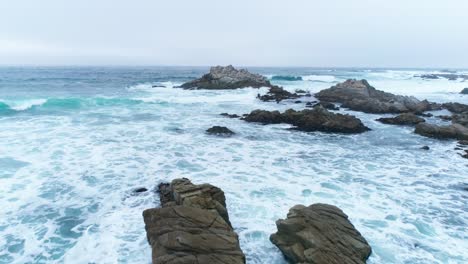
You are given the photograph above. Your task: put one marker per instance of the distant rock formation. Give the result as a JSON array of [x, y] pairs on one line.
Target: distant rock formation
[[192, 226], [361, 96], [448, 76], [403, 119], [316, 119], [277, 94], [228, 77], [220, 131], [320, 234]]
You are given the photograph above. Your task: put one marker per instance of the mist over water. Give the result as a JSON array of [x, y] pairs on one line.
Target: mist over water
[[76, 142]]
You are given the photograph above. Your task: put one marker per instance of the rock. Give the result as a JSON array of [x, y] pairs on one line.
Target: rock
[[320, 233], [220, 131], [424, 114], [299, 91], [140, 190], [157, 86], [230, 115], [456, 108], [227, 78], [464, 91], [328, 105], [402, 119], [445, 117], [316, 119], [453, 131], [361, 96], [192, 226], [277, 94], [425, 148], [463, 142], [298, 102], [461, 119], [449, 76]]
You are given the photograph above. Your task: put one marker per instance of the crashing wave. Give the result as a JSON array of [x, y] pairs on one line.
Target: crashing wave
[[286, 78]]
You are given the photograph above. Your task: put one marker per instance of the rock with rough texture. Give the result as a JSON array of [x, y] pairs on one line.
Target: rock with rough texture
[[320, 234], [402, 119], [192, 226], [453, 131], [361, 96], [456, 108], [277, 94], [220, 131], [316, 119], [227, 78], [461, 119], [464, 91]]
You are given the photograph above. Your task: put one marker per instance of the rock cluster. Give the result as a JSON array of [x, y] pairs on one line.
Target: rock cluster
[[316, 119], [359, 95], [402, 119], [192, 226], [227, 78], [277, 94], [320, 233]]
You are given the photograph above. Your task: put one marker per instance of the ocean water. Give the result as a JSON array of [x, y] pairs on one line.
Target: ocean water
[[75, 143]]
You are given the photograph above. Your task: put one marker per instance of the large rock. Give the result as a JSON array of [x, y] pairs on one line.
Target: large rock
[[456, 107], [359, 95], [316, 119], [192, 226], [402, 119], [453, 131], [277, 94], [227, 78], [320, 234]]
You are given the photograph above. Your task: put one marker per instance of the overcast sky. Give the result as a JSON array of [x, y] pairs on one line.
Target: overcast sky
[[360, 33]]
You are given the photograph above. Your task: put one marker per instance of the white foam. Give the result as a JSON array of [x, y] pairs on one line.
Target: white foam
[[321, 78]]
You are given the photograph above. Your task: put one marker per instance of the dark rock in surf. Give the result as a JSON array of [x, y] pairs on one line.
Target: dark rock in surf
[[327, 105], [445, 117], [220, 131], [140, 190], [361, 96], [230, 115], [425, 148], [464, 91], [320, 233], [192, 226], [453, 131], [228, 77], [448, 76], [402, 119], [277, 94]]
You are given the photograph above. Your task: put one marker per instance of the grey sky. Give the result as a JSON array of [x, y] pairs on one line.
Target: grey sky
[[367, 33]]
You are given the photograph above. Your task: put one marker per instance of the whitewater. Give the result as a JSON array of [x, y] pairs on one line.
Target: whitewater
[[75, 142]]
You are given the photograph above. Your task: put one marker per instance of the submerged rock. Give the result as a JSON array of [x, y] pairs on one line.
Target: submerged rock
[[220, 131], [230, 115], [361, 96], [403, 119], [227, 78], [464, 91], [192, 226], [277, 94], [425, 148], [453, 131], [320, 233], [316, 119]]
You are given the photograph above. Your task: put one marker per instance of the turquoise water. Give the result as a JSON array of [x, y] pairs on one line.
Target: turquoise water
[[76, 142]]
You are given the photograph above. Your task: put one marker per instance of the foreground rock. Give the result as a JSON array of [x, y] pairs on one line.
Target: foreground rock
[[227, 78], [320, 233], [360, 96], [403, 119], [192, 226], [456, 107], [220, 131], [316, 119], [453, 131], [464, 91], [277, 94]]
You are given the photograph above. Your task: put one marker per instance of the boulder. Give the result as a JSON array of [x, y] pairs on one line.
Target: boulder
[[220, 131], [453, 131], [227, 78], [359, 95], [316, 119], [456, 107], [461, 119], [192, 226], [402, 119], [277, 94], [320, 234], [464, 91]]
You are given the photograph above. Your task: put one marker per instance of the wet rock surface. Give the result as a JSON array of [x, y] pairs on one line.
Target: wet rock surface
[[316, 119], [228, 77], [220, 131], [453, 131], [320, 233], [456, 108], [403, 119], [277, 94], [359, 95], [192, 226]]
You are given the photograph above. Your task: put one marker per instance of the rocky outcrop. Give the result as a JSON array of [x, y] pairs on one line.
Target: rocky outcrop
[[455, 107], [448, 76], [220, 131], [320, 234], [316, 119], [227, 78], [361, 96], [461, 119], [403, 119], [277, 94], [453, 131], [464, 91], [192, 226]]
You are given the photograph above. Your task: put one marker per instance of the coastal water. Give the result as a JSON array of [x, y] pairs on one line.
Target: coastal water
[[75, 143]]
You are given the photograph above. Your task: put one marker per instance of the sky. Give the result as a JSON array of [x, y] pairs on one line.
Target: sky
[[316, 33]]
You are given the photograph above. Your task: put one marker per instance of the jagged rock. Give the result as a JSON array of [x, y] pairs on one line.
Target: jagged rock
[[456, 108], [320, 234], [220, 131], [328, 105], [361, 96], [192, 226], [230, 115], [316, 119], [464, 91], [227, 78], [403, 119], [454, 131], [300, 91], [277, 94]]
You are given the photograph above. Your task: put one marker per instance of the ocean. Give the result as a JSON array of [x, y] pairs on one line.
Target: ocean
[[75, 142]]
